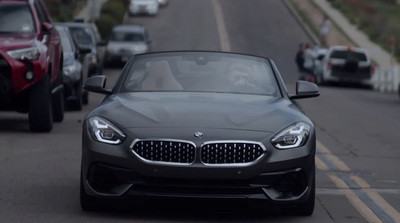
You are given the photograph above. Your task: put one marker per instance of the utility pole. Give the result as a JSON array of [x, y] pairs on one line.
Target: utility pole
[[392, 49], [91, 10]]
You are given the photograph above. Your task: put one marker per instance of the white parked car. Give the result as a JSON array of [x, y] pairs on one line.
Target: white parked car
[[163, 3], [137, 7], [126, 41], [345, 64], [320, 54]]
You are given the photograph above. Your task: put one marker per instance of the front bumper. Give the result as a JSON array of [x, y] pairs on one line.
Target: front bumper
[[15, 70], [151, 9], [280, 176], [13, 81]]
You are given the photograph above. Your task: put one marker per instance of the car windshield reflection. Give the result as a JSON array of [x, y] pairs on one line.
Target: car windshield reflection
[[127, 37], [16, 19], [201, 72]]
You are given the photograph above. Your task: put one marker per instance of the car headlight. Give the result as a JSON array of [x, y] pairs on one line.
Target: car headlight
[[31, 53], [293, 136], [69, 69], [140, 48], [112, 49], [102, 130]]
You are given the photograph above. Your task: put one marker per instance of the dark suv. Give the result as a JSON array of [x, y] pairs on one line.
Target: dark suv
[[31, 79]]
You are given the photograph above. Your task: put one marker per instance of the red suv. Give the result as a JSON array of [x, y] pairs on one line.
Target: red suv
[[31, 79]]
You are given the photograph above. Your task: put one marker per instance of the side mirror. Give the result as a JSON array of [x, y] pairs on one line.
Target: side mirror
[[305, 89], [47, 27], [320, 57], [97, 84], [84, 49], [77, 54]]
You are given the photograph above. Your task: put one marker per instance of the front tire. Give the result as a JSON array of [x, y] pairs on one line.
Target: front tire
[[77, 103], [305, 208], [85, 97], [40, 106], [88, 203], [58, 100]]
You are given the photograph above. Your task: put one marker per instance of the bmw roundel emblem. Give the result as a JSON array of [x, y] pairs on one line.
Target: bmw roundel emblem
[[198, 135]]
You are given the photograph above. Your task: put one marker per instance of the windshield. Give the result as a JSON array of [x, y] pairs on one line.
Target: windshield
[[16, 18], [127, 37], [341, 54], [82, 35], [201, 72]]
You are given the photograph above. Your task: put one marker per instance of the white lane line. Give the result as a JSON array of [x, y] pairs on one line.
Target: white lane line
[[384, 205], [364, 210], [223, 34]]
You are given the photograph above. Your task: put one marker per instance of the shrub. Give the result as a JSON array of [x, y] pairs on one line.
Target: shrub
[[112, 13], [116, 9], [105, 24], [378, 19]]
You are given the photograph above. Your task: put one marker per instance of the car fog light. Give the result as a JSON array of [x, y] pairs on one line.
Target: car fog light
[[29, 76]]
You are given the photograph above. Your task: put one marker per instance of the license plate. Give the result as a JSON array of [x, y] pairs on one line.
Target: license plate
[[125, 58]]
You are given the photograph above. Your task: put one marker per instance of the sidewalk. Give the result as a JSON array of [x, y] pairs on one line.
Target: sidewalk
[[91, 11], [310, 13], [382, 57]]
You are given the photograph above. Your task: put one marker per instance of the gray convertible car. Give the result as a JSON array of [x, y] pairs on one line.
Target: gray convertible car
[[199, 124]]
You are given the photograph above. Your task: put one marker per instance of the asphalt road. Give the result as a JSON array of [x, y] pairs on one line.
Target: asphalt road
[[357, 131]]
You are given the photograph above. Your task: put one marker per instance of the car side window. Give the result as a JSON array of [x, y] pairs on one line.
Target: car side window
[[39, 13], [44, 12], [16, 18]]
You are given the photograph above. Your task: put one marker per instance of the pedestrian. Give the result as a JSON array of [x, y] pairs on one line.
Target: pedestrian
[[308, 65], [300, 60], [324, 28]]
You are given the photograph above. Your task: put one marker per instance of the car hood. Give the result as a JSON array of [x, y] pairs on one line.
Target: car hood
[[199, 110], [16, 41]]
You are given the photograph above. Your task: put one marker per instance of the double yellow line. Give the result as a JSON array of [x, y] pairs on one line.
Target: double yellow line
[[368, 202]]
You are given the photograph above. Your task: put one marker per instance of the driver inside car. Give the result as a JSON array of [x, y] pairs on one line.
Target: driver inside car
[[241, 78]]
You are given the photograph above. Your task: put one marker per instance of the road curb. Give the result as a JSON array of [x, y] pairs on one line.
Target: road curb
[[301, 22]]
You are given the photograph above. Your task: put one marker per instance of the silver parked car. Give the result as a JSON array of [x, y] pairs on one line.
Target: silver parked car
[[72, 69], [126, 41], [199, 124], [138, 7]]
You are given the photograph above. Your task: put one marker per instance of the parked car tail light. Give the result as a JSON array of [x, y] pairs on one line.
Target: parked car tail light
[[372, 68], [31, 53], [102, 130], [329, 65], [293, 136]]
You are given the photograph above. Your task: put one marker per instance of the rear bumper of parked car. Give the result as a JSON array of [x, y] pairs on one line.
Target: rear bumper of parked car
[[279, 176], [348, 77]]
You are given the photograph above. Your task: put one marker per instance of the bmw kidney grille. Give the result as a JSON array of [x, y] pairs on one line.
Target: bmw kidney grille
[[175, 152], [164, 151]]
